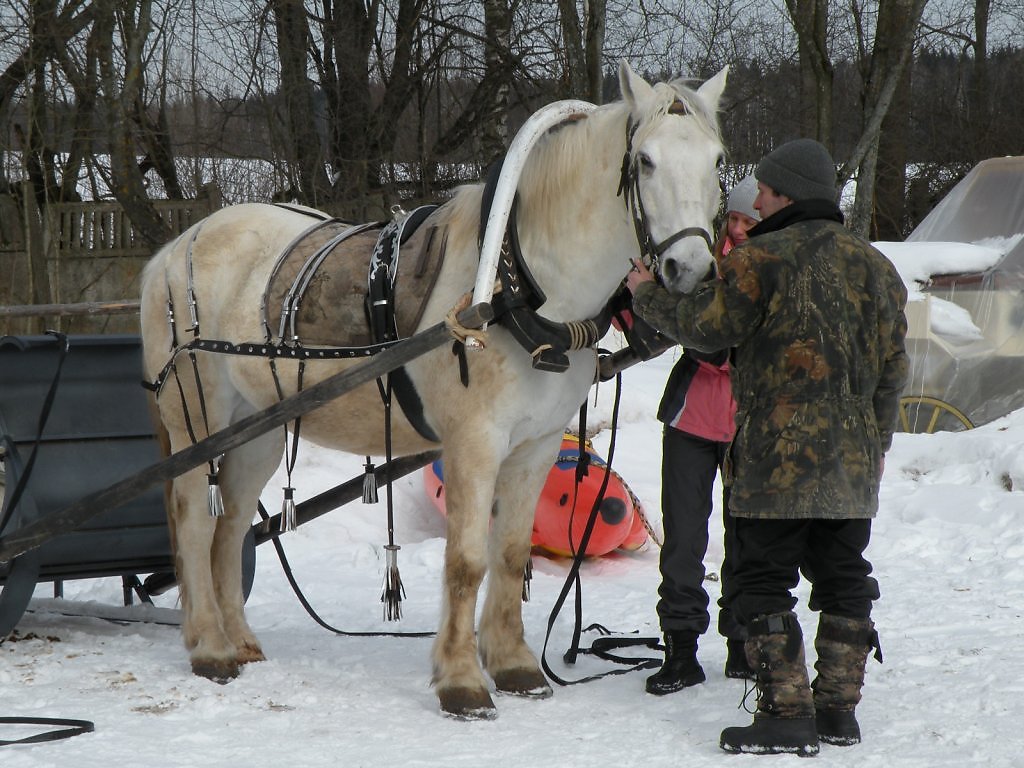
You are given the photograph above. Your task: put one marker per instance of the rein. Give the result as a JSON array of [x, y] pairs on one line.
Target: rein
[[68, 729], [601, 647]]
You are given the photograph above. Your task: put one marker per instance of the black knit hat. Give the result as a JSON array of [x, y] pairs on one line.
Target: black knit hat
[[801, 170]]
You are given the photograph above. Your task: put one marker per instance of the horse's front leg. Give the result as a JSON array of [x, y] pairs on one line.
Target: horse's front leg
[[503, 649], [469, 490]]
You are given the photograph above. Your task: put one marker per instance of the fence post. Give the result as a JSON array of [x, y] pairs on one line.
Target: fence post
[[38, 277]]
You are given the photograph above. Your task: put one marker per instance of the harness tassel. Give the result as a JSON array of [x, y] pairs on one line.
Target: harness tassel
[[288, 522], [214, 499], [393, 589], [369, 483], [527, 578]]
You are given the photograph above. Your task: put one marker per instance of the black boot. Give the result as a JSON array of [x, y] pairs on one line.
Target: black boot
[[736, 665], [784, 720], [772, 736], [680, 669], [838, 727], [843, 645]]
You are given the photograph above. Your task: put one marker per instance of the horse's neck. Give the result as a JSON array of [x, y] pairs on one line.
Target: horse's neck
[[574, 229]]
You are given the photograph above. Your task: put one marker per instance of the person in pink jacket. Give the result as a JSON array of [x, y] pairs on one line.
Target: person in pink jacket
[[697, 409]]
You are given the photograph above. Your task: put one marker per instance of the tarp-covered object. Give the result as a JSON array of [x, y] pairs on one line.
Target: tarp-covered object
[[966, 337]]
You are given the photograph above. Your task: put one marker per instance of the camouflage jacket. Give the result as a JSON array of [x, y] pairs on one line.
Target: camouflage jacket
[[815, 315]]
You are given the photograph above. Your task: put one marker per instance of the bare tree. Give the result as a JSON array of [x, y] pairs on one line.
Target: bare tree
[[894, 37], [122, 91], [303, 146], [810, 19]]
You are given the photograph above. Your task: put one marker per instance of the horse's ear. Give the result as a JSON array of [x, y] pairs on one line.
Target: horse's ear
[[711, 90], [633, 87]]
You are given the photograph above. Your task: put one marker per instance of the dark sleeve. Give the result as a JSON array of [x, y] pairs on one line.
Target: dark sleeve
[[718, 314], [894, 369]]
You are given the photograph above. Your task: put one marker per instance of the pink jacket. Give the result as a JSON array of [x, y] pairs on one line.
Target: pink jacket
[[698, 398]]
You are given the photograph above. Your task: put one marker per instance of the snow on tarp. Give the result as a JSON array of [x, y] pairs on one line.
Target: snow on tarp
[[985, 208], [964, 270]]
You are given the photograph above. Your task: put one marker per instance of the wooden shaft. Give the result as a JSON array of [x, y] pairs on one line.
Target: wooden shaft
[[312, 508], [339, 495], [119, 307]]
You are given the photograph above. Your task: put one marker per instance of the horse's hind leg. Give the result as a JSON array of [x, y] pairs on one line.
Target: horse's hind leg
[[212, 652], [503, 649], [469, 484], [244, 473]]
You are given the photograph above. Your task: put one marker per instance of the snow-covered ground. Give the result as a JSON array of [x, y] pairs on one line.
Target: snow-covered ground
[[948, 551]]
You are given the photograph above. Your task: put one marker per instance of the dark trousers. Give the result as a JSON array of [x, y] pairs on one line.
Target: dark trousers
[[769, 556], [689, 466]]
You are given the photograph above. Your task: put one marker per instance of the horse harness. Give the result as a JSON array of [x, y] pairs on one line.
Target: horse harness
[[297, 276], [515, 305], [629, 186]]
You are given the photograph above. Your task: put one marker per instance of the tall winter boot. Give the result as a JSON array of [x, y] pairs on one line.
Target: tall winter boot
[[680, 669], [736, 665], [784, 720], [843, 645]]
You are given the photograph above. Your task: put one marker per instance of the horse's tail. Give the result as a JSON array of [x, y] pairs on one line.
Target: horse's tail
[[154, 294], [156, 341]]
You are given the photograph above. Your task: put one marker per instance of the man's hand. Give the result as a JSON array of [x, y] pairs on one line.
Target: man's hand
[[637, 275]]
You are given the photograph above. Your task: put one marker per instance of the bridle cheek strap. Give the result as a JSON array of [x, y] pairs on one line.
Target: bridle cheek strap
[[629, 187]]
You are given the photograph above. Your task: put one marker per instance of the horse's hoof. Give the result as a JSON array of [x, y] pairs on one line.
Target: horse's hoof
[[249, 654], [467, 704], [218, 671], [523, 682]]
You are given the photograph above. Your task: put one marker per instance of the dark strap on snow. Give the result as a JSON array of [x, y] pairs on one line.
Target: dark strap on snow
[[602, 646], [70, 728], [290, 576]]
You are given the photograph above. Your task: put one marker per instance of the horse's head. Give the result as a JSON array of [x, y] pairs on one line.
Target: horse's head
[[670, 173]]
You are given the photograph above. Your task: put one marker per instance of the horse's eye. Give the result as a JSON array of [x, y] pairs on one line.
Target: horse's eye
[[720, 162], [645, 161]]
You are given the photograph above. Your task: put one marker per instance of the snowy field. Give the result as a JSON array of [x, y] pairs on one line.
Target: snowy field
[[948, 551]]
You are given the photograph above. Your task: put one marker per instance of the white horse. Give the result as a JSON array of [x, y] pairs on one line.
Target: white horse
[[500, 434]]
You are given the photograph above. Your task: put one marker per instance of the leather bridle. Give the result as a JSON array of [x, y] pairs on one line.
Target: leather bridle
[[629, 186]]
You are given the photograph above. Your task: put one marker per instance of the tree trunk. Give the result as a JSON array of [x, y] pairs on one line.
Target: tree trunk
[[127, 183], [810, 20], [348, 33], [302, 140], [890, 219], [494, 120], [596, 17], [574, 75], [894, 39], [980, 112]]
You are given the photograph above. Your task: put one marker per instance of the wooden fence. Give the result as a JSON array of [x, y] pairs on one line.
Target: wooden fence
[[84, 257]]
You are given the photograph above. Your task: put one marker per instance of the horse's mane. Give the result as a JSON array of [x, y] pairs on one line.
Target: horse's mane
[[574, 152]]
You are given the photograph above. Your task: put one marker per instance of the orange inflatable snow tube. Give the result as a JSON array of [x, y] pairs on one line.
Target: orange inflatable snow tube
[[563, 508]]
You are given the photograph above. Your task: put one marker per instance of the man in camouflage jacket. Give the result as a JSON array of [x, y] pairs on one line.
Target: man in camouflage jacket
[[815, 317]]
